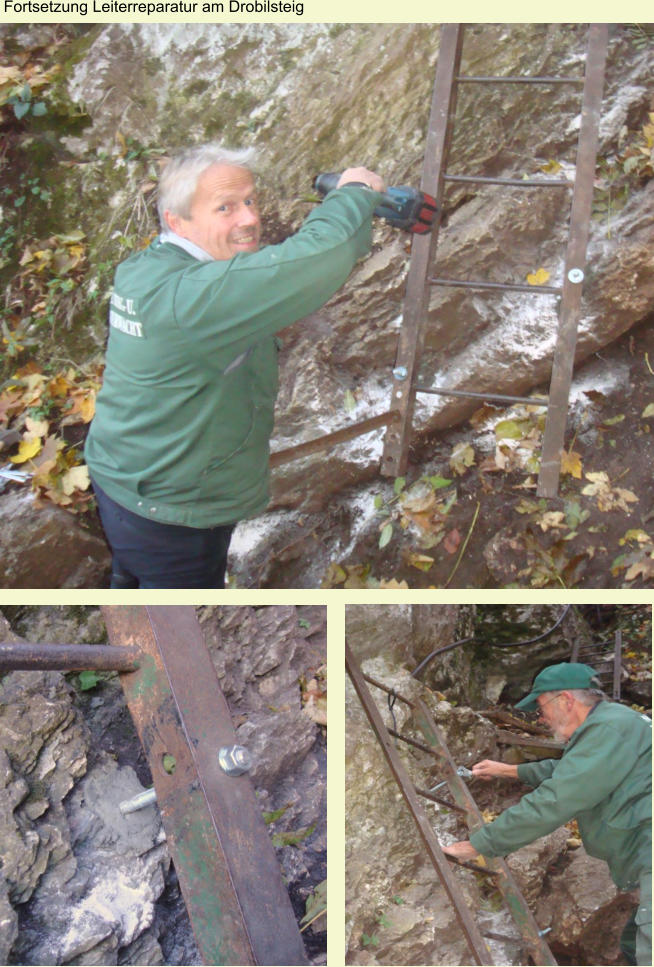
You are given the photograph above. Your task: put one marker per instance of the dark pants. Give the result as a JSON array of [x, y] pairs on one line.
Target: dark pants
[[150, 554], [636, 939]]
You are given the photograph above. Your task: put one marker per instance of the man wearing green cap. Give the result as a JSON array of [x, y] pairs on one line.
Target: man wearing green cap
[[603, 780]]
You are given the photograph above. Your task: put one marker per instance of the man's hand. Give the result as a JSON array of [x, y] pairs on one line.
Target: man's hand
[[463, 850], [490, 769], [361, 175]]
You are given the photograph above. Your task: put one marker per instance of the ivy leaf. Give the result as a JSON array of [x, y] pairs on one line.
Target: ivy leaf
[[398, 486]]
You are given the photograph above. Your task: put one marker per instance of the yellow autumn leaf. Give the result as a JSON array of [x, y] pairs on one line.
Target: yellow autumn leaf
[[26, 450], [539, 277], [421, 561], [35, 428], [638, 535], [393, 583], [462, 457], [77, 478], [648, 411], [552, 519], [571, 463]]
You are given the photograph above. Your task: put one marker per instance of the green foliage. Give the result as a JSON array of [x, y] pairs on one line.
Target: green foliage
[[369, 940], [88, 680], [292, 839], [23, 104], [316, 905]]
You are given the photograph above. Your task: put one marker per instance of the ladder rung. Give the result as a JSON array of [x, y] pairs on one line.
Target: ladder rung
[[517, 79], [513, 182], [443, 802], [483, 396], [514, 286]]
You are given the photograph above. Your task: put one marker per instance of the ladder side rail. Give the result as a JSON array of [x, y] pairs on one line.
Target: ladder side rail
[[524, 920], [478, 946], [230, 878], [617, 666], [575, 262], [416, 302]]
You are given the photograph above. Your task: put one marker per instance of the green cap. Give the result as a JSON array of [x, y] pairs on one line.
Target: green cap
[[556, 678]]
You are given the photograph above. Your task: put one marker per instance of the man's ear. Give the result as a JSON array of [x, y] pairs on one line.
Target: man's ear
[[175, 223]]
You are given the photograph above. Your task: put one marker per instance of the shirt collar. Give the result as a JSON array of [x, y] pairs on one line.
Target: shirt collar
[[187, 245]]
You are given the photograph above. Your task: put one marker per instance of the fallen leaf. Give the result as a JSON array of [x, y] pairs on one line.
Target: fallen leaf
[[571, 463], [420, 561], [552, 519], [26, 450], [462, 457], [648, 411], [452, 541], [539, 277], [77, 478]]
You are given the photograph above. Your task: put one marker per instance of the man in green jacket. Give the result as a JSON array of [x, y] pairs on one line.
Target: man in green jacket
[[178, 448], [603, 780]]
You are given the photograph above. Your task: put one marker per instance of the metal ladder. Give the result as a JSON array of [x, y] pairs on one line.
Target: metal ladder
[[230, 878], [462, 802], [420, 278], [606, 662]]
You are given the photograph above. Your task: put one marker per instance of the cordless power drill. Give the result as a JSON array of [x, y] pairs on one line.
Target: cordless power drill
[[402, 207]]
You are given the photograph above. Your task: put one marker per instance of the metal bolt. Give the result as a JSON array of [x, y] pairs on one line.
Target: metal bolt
[[234, 760], [140, 801], [576, 275], [541, 933], [400, 372], [464, 773]]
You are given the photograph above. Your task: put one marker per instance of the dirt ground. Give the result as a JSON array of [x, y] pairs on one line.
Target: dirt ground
[[498, 533]]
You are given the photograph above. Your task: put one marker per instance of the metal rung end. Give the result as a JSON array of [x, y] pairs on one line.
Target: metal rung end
[[514, 286]]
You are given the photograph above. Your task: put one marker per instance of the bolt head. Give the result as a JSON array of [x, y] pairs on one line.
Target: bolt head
[[234, 760], [576, 275], [400, 372]]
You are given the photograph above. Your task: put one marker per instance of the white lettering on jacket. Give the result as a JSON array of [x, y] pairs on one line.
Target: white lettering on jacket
[[122, 316]]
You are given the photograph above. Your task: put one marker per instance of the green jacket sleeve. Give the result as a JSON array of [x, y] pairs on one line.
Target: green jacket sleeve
[[590, 769], [533, 773], [230, 305]]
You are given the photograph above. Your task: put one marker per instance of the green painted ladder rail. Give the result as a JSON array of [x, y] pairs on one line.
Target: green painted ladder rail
[[420, 279], [529, 935], [231, 882]]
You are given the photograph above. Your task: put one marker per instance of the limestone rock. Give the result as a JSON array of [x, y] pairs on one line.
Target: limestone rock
[[46, 547], [585, 910]]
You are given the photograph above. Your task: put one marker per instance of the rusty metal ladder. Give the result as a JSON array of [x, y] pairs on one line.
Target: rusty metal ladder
[[420, 278], [230, 878], [462, 802]]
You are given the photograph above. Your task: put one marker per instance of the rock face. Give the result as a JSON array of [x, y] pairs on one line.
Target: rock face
[[46, 547], [288, 89]]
